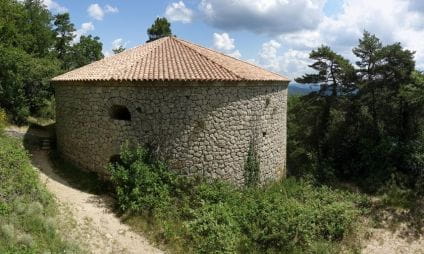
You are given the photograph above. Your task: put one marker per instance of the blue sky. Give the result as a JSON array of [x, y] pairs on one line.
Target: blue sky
[[275, 34]]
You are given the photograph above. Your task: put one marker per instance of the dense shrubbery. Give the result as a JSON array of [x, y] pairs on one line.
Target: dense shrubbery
[[27, 224], [216, 217]]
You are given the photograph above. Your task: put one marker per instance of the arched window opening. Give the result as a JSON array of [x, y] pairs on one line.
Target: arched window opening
[[115, 159], [119, 112]]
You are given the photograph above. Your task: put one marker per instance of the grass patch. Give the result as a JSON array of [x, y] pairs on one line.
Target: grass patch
[[191, 215], [27, 210]]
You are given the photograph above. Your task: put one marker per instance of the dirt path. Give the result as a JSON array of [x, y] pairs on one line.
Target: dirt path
[[96, 225], [384, 241]]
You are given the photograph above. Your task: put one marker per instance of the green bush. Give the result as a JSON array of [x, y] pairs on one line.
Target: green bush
[[3, 119], [140, 185], [47, 109], [27, 210], [206, 216]]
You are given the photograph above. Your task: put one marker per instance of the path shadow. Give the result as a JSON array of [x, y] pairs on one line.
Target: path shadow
[[57, 168], [35, 133]]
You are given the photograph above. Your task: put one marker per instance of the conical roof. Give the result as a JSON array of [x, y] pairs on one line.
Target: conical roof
[[167, 59]]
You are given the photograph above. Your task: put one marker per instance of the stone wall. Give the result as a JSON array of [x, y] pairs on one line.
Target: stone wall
[[202, 130]]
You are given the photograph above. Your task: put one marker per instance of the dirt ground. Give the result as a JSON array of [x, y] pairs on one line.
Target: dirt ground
[[96, 224], [384, 241]]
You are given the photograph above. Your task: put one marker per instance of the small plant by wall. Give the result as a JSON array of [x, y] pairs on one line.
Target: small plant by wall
[[252, 166]]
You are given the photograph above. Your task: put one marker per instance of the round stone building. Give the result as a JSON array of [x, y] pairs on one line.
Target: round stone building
[[201, 109]]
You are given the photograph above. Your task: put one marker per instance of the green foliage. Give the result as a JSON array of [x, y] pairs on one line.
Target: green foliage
[[65, 34], [87, 50], [134, 175], [202, 216], [365, 123], [252, 167], [3, 120], [24, 82], [27, 210], [160, 28], [118, 50], [34, 47]]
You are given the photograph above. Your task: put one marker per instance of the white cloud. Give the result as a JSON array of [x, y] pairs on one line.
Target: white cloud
[[416, 5], [225, 44], [178, 12], [291, 63], [95, 11], [111, 9], [268, 55], [83, 30], [399, 21], [236, 54], [223, 41], [396, 22], [54, 6], [119, 43], [263, 16]]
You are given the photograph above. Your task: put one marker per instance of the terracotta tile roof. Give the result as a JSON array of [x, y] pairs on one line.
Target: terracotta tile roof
[[166, 59]]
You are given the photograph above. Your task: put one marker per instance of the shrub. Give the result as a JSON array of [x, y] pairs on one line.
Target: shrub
[[47, 109], [140, 185], [3, 119], [214, 229], [206, 216]]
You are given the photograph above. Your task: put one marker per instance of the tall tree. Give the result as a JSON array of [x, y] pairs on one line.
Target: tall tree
[[336, 77], [87, 50], [38, 29], [333, 73], [65, 34], [160, 28], [370, 57]]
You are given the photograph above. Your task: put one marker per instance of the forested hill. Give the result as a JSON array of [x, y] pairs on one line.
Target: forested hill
[[295, 89]]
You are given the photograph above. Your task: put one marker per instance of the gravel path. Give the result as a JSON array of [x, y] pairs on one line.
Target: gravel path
[[96, 225], [384, 241]]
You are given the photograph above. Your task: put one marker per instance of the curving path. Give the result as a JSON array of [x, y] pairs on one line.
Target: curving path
[[89, 218], [95, 223]]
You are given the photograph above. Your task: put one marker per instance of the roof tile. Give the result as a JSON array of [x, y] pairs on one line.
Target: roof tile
[[170, 58]]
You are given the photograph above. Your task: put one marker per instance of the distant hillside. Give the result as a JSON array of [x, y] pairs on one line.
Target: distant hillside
[[295, 89]]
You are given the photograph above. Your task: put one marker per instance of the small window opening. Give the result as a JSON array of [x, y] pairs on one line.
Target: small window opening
[[119, 112], [115, 159]]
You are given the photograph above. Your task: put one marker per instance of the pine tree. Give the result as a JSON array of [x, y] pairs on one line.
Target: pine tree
[[160, 28]]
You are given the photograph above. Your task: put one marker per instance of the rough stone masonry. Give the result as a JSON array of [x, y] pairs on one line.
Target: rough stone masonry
[[197, 128]]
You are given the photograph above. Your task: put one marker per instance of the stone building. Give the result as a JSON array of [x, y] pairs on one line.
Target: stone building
[[200, 108]]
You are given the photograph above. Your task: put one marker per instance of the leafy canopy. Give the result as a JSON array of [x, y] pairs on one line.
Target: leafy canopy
[[160, 28]]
